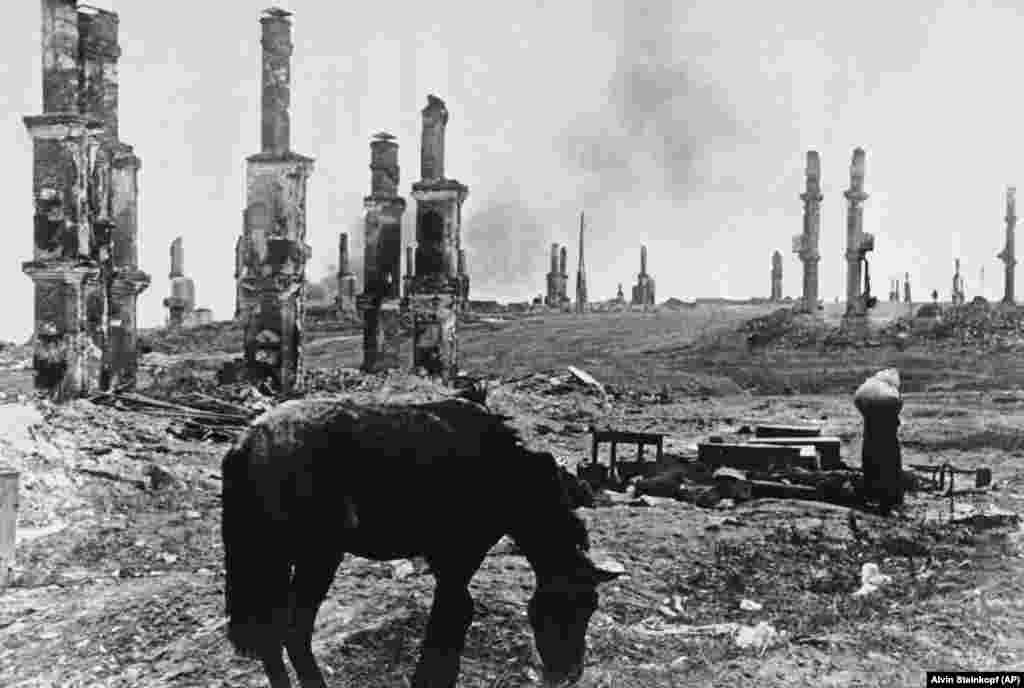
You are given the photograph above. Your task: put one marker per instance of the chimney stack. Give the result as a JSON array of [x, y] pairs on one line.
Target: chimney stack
[[277, 68], [435, 119]]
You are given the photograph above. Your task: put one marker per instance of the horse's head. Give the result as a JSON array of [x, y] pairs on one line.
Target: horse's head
[[560, 612]]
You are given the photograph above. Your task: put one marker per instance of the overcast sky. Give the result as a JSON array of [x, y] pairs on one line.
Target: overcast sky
[[680, 125]]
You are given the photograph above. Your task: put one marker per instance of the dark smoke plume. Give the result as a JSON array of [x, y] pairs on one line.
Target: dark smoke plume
[[657, 111], [506, 248]]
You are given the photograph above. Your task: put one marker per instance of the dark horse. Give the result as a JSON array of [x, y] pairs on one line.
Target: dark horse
[[313, 479]]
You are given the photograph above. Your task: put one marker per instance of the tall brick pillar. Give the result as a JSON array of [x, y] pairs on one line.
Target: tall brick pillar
[[71, 258], [272, 252], [805, 244], [346, 280], [776, 276], [434, 302], [1008, 254], [380, 302], [858, 243]]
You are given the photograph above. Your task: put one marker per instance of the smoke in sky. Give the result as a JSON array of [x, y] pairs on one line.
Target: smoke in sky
[[509, 246], [658, 115]]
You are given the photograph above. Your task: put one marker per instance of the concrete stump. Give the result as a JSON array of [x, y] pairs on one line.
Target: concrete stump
[[878, 399]]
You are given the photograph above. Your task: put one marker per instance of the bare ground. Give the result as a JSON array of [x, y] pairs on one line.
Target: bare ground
[[119, 579]]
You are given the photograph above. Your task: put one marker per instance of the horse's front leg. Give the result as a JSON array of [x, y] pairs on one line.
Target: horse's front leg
[[450, 617], [310, 584]]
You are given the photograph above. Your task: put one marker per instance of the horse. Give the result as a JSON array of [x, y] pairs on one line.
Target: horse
[[303, 486]]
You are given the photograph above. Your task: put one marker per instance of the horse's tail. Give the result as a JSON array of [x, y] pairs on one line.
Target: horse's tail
[[256, 558]]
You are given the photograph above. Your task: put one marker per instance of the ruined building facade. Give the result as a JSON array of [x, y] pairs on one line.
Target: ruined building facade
[[438, 289], [776, 292], [182, 301], [643, 290], [85, 189], [272, 252], [1008, 254], [805, 244], [380, 302]]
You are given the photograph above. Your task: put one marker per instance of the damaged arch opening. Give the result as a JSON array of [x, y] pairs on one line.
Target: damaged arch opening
[[430, 258]]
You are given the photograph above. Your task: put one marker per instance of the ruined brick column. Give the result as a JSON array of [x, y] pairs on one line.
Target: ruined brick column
[[805, 244], [1008, 254], [66, 265], [182, 301], [563, 277], [551, 297], [879, 401], [272, 253], [346, 279], [434, 301], [382, 259], [776, 276], [463, 273], [115, 192], [958, 295], [858, 242], [410, 272], [643, 291], [581, 277]]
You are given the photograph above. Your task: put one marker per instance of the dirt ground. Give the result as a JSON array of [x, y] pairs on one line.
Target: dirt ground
[[118, 578]]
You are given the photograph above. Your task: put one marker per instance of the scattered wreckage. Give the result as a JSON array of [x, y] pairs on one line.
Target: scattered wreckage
[[780, 461]]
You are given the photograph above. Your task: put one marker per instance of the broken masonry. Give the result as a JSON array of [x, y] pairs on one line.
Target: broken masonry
[[272, 252], [380, 302], [85, 188], [438, 290], [805, 244]]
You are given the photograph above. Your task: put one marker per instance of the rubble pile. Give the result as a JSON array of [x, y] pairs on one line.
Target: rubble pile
[[787, 328], [225, 335], [976, 324]]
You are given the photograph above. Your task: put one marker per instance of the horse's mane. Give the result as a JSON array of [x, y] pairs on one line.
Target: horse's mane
[[540, 475]]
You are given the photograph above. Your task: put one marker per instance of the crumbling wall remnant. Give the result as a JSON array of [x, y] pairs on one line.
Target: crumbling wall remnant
[[805, 244], [379, 304], [272, 253], [643, 290], [85, 188], [1008, 254], [438, 290]]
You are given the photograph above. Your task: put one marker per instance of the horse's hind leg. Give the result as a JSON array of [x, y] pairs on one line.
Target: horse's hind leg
[[273, 665], [312, 579]]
